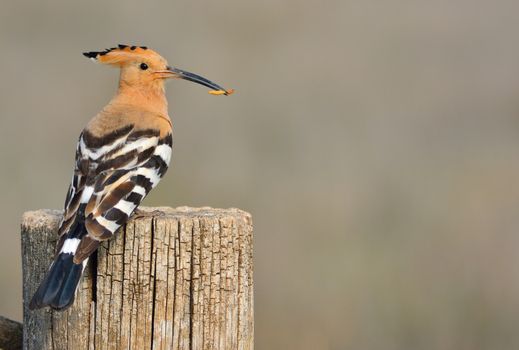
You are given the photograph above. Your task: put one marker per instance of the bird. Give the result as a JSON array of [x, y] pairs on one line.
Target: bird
[[121, 155]]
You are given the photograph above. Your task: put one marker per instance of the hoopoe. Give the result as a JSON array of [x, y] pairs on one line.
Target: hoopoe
[[121, 155]]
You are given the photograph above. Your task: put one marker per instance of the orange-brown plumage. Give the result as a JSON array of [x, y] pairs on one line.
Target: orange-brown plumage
[[140, 99], [122, 154]]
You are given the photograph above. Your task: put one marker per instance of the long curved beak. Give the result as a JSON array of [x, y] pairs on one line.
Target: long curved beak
[[182, 74]]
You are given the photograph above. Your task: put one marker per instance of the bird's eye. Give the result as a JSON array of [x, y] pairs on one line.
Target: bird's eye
[[144, 66]]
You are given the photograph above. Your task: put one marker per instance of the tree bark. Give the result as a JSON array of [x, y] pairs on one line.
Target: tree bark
[[10, 334], [170, 279]]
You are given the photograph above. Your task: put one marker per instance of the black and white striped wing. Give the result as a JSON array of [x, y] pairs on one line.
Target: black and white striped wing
[[75, 197], [124, 178], [90, 152]]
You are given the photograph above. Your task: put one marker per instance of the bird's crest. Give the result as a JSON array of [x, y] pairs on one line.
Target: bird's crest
[[121, 54]]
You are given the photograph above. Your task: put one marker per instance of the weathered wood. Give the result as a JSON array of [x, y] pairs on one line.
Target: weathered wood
[[171, 279], [10, 334]]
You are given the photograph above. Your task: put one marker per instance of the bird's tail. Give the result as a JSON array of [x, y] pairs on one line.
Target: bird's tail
[[58, 288]]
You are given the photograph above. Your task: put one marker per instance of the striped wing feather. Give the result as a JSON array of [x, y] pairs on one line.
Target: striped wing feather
[[112, 177], [73, 199]]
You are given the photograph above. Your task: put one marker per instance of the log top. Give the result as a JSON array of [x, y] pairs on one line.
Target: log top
[[38, 219], [173, 278]]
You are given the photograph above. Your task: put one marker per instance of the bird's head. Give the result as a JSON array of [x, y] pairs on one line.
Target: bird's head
[[143, 67]]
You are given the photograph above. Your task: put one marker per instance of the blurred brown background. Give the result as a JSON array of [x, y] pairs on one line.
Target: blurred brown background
[[376, 144]]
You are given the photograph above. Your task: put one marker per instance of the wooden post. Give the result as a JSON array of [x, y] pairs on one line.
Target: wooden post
[[10, 334], [171, 279]]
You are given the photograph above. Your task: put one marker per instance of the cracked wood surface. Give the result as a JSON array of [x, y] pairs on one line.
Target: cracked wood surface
[[170, 279]]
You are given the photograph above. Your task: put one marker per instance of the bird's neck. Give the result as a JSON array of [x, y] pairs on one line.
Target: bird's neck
[[150, 97]]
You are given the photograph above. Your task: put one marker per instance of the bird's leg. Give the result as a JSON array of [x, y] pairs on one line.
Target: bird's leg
[[139, 213]]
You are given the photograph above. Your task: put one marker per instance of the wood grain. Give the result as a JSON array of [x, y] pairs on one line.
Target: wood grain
[[170, 279], [10, 334]]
